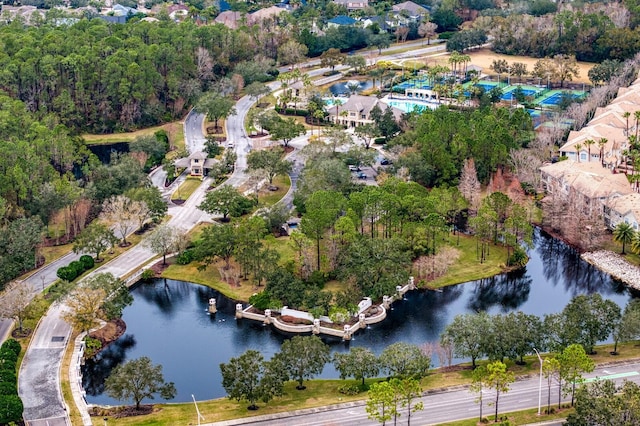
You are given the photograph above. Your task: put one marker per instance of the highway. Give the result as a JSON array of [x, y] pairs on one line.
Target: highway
[[440, 407]]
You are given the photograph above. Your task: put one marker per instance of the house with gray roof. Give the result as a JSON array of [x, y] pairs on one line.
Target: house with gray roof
[[197, 163], [356, 111]]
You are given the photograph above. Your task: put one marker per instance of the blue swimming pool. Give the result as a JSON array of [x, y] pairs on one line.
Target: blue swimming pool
[[410, 106]]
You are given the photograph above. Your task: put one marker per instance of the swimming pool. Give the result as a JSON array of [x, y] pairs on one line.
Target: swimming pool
[[409, 106]]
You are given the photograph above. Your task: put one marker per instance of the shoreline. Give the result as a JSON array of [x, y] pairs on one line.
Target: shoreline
[[615, 265]]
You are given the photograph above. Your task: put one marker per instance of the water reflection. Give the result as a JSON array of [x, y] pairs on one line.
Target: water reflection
[[507, 292], [96, 370], [169, 322]]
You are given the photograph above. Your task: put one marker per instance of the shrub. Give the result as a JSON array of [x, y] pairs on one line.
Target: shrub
[[518, 258], [147, 275], [260, 300], [10, 409], [7, 388], [8, 376], [77, 266], [87, 261], [317, 279], [185, 258], [349, 389], [446, 35], [13, 345], [92, 346], [8, 365], [66, 273], [7, 354]]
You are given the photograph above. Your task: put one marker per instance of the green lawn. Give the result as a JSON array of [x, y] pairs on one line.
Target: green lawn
[[267, 198], [468, 267], [186, 188]]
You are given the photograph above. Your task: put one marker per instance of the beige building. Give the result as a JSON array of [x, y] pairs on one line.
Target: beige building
[[356, 111], [197, 163], [593, 188]]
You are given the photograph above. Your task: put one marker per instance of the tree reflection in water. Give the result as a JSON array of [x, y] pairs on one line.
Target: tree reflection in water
[[562, 264], [508, 291], [98, 368]]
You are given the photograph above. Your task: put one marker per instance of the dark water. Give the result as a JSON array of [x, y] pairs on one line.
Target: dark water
[[342, 87], [103, 152], [169, 323]]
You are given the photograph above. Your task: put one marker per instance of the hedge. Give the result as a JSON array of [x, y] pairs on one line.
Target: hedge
[[74, 269], [13, 345], [10, 403], [10, 409]]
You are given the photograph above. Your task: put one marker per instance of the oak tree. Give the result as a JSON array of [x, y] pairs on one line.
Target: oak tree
[[136, 380]]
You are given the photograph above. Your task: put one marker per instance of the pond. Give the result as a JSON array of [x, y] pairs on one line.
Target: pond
[[169, 323], [104, 151], [348, 87]]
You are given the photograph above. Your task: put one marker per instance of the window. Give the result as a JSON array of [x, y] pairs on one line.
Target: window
[[583, 156]]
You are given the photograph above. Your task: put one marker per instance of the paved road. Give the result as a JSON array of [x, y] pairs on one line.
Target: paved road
[[439, 407]]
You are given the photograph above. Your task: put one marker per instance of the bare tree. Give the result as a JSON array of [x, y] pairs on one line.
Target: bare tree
[[14, 301], [427, 30], [123, 214], [164, 240], [469, 185], [444, 350]]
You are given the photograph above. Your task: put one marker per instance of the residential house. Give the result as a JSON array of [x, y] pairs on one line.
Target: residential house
[[409, 11], [266, 13], [341, 21], [356, 111], [197, 163], [230, 19], [26, 13], [352, 5], [375, 20]]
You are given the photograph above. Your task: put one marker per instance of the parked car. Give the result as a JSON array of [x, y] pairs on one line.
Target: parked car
[[354, 168], [385, 162], [362, 175]]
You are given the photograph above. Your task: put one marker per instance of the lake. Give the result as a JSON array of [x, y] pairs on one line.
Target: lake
[[169, 322]]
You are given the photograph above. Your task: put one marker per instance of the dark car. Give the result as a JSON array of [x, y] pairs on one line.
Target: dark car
[[385, 162], [362, 175]]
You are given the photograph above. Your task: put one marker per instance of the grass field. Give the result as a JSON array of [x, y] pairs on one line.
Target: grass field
[[173, 129], [186, 188], [468, 267]]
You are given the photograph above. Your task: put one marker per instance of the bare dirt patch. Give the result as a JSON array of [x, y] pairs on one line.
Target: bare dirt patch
[[485, 57]]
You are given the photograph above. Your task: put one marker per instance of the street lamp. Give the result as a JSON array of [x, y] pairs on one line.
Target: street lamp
[[540, 385]]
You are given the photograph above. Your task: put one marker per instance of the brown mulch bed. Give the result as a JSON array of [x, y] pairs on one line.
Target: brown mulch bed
[[110, 332], [158, 267], [120, 412]]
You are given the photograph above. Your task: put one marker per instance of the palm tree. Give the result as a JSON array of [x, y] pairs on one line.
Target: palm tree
[[588, 143], [626, 115], [635, 243], [624, 233], [578, 148], [601, 143]]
